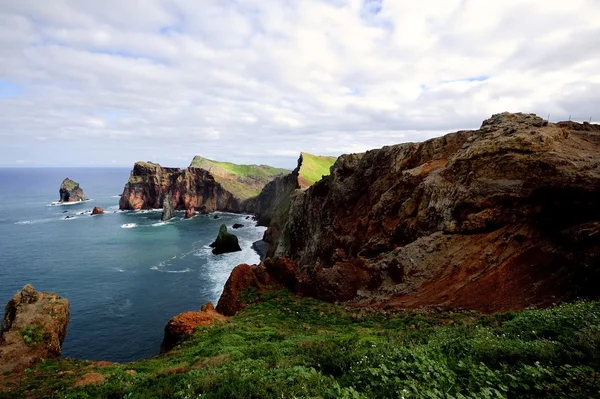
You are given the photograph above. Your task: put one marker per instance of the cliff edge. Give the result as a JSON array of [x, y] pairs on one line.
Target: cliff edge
[[494, 219]]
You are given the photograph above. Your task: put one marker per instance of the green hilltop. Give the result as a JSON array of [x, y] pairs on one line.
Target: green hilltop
[[313, 168], [243, 181]]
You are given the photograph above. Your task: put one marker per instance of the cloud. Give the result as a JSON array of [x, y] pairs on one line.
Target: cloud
[[258, 81]]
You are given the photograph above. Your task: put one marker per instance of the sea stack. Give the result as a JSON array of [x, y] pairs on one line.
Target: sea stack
[[71, 192], [225, 242], [97, 211], [168, 211]]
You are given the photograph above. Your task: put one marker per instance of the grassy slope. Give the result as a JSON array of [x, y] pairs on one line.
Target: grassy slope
[[243, 181], [314, 167], [291, 347]]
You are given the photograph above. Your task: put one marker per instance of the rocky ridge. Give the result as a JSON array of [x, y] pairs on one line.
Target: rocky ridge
[[493, 219]]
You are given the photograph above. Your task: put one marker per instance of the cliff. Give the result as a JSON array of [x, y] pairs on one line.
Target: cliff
[[498, 218], [34, 328], [70, 191], [243, 181], [191, 189]]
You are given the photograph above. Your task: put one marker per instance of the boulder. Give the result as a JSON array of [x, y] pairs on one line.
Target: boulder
[[225, 242], [71, 192], [168, 212], [237, 226], [97, 211], [182, 326], [34, 327], [190, 213]]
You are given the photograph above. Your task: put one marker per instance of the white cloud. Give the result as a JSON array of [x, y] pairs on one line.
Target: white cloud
[[261, 80]]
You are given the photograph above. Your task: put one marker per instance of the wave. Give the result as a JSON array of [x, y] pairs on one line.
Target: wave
[[128, 225], [57, 203], [119, 270], [35, 221], [70, 217], [158, 224]]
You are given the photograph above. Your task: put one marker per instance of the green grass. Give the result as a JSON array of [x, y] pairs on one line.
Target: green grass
[[33, 336], [314, 167], [243, 181], [285, 347]]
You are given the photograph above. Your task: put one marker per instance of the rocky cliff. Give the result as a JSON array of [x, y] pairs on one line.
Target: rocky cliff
[[498, 218], [70, 191], [191, 189], [34, 327]]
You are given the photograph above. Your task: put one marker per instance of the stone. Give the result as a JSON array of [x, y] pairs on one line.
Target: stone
[[182, 326], [97, 211], [225, 242], [237, 226], [190, 213]]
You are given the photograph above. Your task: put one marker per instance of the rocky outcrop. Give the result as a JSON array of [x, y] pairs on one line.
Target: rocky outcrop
[[168, 212], [183, 325], [225, 242], [237, 226], [34, 327], [191, 189], [190, 213], [71, 192], [498, 218], [97, 211]]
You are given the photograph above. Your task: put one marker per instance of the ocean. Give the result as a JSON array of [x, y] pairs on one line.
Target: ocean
[[125, 273]]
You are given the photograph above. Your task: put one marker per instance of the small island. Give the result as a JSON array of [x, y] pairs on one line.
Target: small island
[[71, 192], [225, 242]]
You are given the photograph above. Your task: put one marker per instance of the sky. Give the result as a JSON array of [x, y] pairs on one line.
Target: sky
[[108, 83]]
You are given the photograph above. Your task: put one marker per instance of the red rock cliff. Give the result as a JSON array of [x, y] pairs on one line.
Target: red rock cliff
[[498, 218], [191, 189]]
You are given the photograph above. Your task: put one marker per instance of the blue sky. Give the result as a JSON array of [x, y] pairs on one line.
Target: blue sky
[[86, 83]]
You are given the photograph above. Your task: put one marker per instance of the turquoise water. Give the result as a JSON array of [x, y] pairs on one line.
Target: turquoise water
[[125, 273]]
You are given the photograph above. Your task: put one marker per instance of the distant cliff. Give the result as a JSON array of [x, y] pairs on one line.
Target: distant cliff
[[243, 181], [498, 218], [190, 188]]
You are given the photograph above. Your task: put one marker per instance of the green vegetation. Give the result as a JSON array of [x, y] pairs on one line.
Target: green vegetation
[[243, 181], [314, 167], [33, 336], [286, 347], [69, 184]]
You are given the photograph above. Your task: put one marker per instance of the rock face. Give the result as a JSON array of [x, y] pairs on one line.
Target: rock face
[[498, 218], [182, 326], [168, 212], [34, 327], [191, 189], [70, 191], [190, 213], [97, 211], [225, 242]]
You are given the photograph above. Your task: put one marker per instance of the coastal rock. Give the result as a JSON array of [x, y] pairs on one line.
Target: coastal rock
[[240, 280], [261, 247], [71, 192], [34, 327], [97, 211], [237, 226], [190, 188], [494, 219], [225, 242], [190, 213], [168, 212], [182, 326]]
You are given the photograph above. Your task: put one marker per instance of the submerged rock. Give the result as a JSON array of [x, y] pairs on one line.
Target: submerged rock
[[71, 192], [97, 211], [168, 212], [237, 226], [225, 242], [182, 326], [34, 328]]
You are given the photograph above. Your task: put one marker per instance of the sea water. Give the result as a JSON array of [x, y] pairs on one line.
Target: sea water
[[125, 273]]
